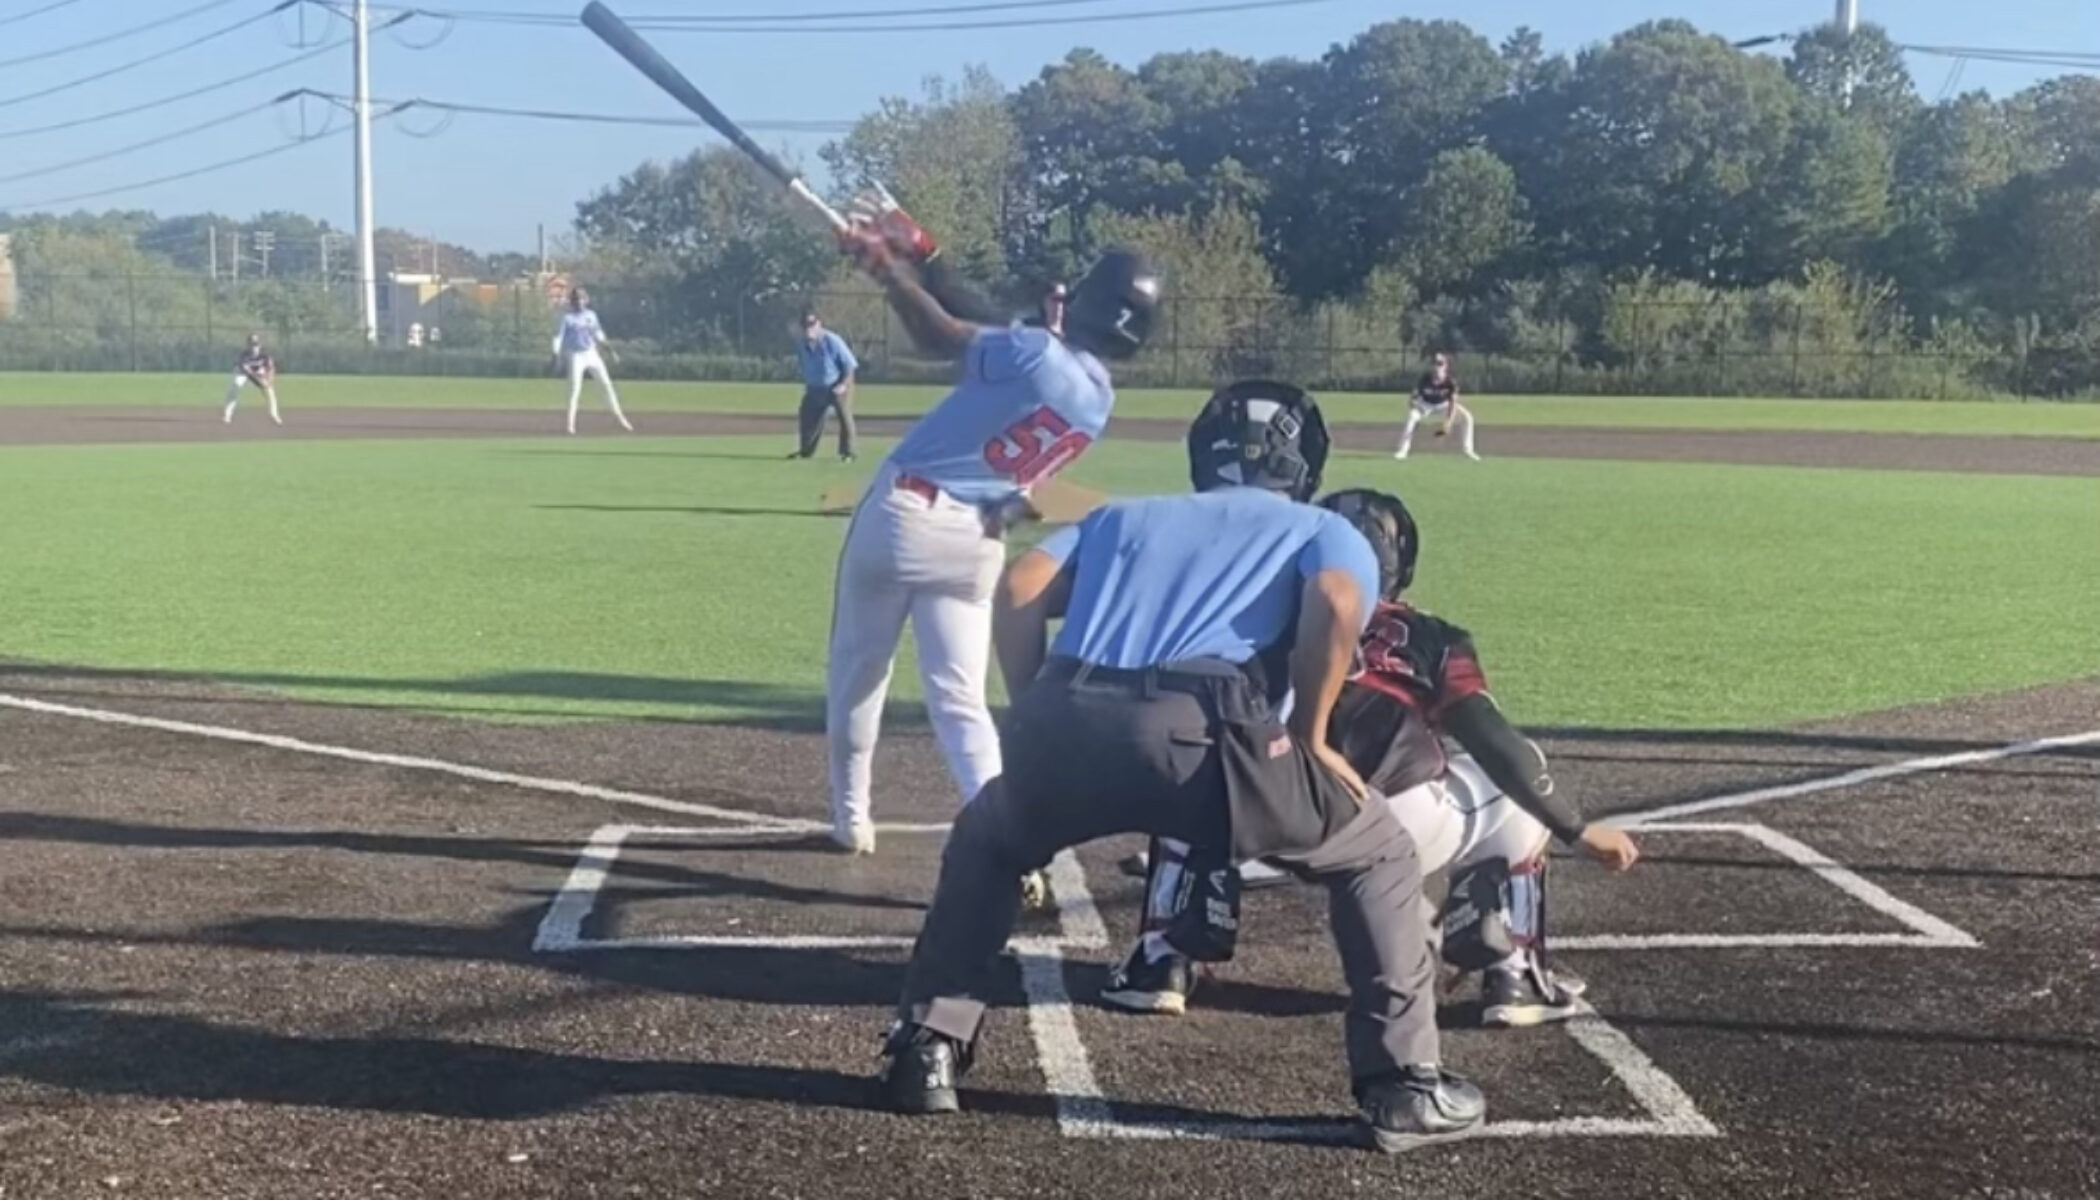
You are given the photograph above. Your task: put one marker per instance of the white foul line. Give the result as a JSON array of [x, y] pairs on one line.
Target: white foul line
[[1829, 783], [1844, 879], [1083, 1109]]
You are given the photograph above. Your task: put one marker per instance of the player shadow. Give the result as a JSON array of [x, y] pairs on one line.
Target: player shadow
[[701, 510], [94, 1048], [664, 880]]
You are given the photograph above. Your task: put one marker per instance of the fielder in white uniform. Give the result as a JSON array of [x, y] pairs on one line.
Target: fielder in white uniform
[[926, 541], [1482, 819], [255, 367], [577, 343]]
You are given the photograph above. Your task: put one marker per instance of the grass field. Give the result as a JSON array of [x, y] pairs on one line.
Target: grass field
[[690, 578], [1866, 416]]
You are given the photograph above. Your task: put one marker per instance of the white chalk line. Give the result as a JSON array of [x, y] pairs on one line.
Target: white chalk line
[[1083, 1110], [1829, 783], [565, 787], [1851, 883]]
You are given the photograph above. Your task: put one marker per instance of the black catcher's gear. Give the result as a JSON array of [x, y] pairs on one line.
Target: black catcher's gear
[[1259, 433], [1389, 527], [1111, 309]]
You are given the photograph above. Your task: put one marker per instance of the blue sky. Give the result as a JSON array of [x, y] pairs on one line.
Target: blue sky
[[487, 182]]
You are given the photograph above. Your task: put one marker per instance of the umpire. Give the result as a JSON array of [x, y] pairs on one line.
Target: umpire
[[827, 383], [1187, 619]]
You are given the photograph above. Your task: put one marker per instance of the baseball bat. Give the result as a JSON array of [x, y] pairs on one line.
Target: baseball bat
[[644, 58]]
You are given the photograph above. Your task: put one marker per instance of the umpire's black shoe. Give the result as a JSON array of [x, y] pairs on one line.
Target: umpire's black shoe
[[1418, 1106], [920, 1070], [1141, 986]]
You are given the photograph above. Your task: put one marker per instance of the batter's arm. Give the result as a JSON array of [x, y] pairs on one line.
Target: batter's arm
[[932, 327], [1330, 614], [1032, 592], [956, 294]]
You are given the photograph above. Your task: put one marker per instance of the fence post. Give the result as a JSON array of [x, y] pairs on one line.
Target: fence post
[[1174, 341], [209, 299], [1793, 376], [131, 305], [1330, 369], [1560, 357]]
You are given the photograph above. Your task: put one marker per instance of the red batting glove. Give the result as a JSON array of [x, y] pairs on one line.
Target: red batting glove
[[868, 249], [879, 211]]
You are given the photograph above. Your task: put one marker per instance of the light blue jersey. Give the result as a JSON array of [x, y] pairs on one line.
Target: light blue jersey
[[1216, 574], [579, 332], [1026, 407]]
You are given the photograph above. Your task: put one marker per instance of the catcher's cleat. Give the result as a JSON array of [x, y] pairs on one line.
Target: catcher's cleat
[[1035, 892], [1418, 1106], [1141, 986], [920, 1071], [1516, 998]]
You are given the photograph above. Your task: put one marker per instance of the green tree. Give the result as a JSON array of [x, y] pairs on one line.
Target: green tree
[[1463, 216]]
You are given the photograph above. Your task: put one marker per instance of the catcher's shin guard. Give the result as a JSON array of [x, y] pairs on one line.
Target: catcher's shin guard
[[1192, 898], [1496, 909]]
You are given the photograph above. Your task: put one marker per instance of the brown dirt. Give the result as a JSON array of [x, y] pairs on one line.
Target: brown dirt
[[31, 425]]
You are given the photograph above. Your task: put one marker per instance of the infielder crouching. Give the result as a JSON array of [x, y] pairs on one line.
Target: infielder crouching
[[577, 346], [1186, 618], [1436, 395], [926, 542], [1481, 822], [256, 367]]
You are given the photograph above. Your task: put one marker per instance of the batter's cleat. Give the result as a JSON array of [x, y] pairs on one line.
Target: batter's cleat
[[854, 837], [1162, 988], [1517, 998], [920, 1070], [1035, 892], [1418, 1106]]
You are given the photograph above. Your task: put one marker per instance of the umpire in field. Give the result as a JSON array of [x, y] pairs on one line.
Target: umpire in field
[[827, 383], [1187, 621]]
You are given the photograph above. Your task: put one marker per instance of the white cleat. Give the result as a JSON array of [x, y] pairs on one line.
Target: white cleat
[[854, 839], [624, 425], [1475, 457], [1399, 455]]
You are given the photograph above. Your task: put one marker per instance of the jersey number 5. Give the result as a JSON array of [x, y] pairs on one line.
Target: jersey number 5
[[1034, 446]]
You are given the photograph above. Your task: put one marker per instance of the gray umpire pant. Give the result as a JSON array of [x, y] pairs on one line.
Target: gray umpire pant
[[1093, 753], [816, 401]]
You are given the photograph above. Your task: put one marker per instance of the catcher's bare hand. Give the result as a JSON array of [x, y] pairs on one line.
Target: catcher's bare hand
[[1337, 764], [1610, 846], [878, 212]]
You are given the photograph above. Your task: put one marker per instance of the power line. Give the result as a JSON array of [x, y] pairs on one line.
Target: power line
[[537, 114], [694, 24], [157, 140], [37, 12], [135, 63], [661, 20], [178, 97], [118, 36], [189, 174]]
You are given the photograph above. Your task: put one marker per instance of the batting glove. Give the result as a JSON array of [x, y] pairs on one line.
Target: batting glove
[[876, 210]]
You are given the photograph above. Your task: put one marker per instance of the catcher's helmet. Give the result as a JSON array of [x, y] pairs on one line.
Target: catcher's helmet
[[1388, 526], [1259, 433], [1112, 306]]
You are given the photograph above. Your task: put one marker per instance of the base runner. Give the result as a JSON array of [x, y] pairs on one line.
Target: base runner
[[579, 346], [1481, 821], [1436, 395], [926, 542], [256, 367]]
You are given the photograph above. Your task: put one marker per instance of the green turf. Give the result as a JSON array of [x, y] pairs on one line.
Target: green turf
[[1866, 416], [688, 578]]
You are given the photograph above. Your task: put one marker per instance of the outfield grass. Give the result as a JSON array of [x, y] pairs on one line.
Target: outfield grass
[[1865, 416], [689, 578]]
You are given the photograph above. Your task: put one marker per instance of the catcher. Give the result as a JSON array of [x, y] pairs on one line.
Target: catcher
[[258, 368], [1480, 822]]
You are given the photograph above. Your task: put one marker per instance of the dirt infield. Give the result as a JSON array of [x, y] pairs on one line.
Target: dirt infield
[[269, 968], [1920, 452]]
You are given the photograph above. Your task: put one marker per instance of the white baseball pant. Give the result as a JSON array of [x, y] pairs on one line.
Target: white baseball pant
[[929, 561], [584, 362], [1457, 415], [233, 395]]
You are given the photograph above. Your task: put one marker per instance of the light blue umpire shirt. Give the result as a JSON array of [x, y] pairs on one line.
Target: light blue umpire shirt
[[1214, 574], [827, 363]]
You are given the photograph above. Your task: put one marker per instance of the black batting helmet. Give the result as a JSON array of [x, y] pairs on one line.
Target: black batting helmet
[[1259, 433], [1388, 526], [1111, 308]]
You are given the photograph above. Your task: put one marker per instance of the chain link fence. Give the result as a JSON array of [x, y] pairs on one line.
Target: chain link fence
[[1597, 343]]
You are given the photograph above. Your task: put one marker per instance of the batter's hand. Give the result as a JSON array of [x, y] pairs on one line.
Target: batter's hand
[[876, 210], [1610, 846], [868, 251]]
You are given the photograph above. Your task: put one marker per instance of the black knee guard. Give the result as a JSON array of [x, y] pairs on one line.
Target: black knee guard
[[1493, 911], [1192, 896]]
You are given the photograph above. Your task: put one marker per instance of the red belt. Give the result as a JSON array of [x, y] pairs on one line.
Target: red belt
[[919, 487]]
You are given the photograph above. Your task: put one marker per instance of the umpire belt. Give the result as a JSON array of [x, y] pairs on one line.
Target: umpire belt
[[1195, 677]]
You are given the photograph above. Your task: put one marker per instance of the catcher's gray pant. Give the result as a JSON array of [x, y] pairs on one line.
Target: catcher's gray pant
[[816, 402], [1087, 759]]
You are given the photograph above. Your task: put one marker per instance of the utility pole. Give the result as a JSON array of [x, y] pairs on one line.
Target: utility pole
[[265, 241], [236, 256], [211, 233], [1848, 24], [543, 248], [361, 108]]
